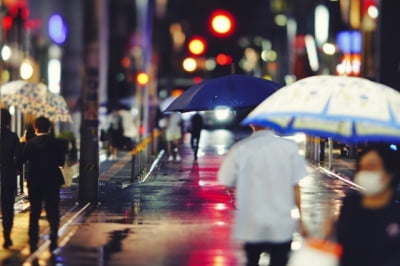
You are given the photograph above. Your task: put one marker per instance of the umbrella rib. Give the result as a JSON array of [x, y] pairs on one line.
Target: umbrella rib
[[391, 114]]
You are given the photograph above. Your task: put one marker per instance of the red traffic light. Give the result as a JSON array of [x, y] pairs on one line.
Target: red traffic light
[[197, 46], [223, 59], [222, 23]]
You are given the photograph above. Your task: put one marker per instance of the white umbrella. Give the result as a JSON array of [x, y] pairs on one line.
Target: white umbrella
[[35, 99], [349, 109]]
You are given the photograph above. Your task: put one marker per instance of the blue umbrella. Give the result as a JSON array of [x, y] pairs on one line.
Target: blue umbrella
[[235, 91]]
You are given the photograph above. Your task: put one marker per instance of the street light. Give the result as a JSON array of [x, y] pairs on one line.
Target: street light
[[189, 64], [6, 53], [26, 69]]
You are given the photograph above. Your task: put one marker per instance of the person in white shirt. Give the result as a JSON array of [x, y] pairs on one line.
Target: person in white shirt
[[265, 170], [174, 135]]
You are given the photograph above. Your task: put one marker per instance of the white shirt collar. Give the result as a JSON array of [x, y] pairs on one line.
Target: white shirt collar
[[41, 134]]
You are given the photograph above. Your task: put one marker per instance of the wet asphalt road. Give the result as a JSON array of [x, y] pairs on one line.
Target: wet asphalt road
[[181, 215]]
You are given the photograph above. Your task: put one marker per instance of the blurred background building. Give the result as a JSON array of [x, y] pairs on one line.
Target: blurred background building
[[174, 44]]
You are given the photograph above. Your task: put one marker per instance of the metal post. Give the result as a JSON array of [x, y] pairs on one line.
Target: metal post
[[89, 156], [133, 165], [317, 148], [330, 162]]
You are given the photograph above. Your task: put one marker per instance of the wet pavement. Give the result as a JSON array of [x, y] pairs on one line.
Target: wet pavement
[[179, 216]]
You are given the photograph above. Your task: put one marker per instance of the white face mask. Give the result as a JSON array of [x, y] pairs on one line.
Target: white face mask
[[371, 181]]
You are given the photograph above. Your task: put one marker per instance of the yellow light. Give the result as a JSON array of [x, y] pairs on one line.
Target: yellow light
[[142, 78], [189, 64], [197, 46]]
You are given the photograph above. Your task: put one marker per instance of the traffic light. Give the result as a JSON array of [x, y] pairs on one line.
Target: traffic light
[[223, 59], [197, 46], [222, 23]]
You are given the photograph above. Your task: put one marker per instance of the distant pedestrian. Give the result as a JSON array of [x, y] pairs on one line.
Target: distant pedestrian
[[10, 152], [173, 133], [115, 134], [369, 223], [130, 129], [195, 131], [265, 170], [45, 155]]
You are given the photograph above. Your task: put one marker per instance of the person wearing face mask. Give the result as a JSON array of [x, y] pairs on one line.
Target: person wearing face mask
[[369, 222]]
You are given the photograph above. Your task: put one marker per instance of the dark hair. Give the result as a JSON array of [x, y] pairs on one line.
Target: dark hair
[[5, 118], [390, 159], [42, 124]]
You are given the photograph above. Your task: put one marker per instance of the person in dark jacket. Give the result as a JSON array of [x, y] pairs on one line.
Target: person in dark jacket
[[45, 155], [196, 127], [369, 223], [10, 152]]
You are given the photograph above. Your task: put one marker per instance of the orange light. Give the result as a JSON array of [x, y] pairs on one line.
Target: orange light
[[125, 62], [197, 46], [176, 92], [142, 78], [222, 23], [223, 59]]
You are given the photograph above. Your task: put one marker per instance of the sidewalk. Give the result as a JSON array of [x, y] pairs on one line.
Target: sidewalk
[[68, 207]]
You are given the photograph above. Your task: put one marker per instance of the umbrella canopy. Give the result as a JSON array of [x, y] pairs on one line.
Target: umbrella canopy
[[35, 99], [55, 108], [166, 103], [349, 109], [235, 91]]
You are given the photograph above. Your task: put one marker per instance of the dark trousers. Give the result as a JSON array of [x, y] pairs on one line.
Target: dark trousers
[[194, 142], [51, 199], [7, 209], [279, 253]]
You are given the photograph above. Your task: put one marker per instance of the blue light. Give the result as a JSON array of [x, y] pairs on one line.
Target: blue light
[[343, 40], [57, 29], [356, 42], [393, 147], [349, 42]]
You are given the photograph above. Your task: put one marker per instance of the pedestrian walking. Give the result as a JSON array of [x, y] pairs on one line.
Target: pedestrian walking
[[10, 152], [45, 155], [265, 170], [369, 222], [173, 134], [114, 132], [195, 131]]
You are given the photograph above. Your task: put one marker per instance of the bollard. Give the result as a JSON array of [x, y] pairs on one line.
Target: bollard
[[133, 164], [141, 156]]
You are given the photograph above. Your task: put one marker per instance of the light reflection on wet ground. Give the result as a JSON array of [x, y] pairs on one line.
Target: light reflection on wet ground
[[182, 216]]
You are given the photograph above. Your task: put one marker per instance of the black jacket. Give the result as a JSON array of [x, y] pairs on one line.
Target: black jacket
[[45, 155], [9, 156]]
